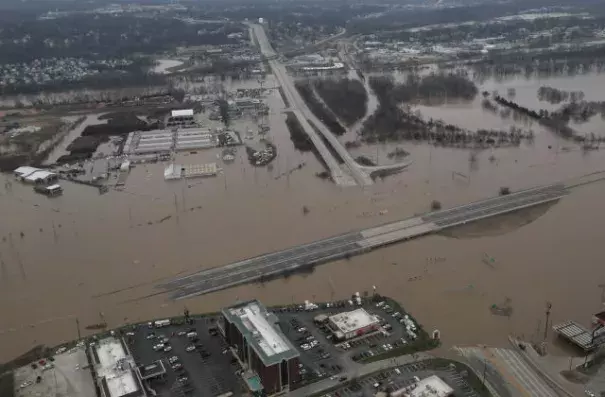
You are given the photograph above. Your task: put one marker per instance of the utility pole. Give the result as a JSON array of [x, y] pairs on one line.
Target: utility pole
[[548, 307]]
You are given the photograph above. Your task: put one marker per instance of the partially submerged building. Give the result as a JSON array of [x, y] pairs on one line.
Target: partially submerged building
[[178, 171], [261, 345], [181, 119], [35, 175], [195, 138]]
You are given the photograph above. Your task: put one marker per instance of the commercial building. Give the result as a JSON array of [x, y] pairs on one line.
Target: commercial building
[[586, 339], [115, 369], [195, 138], [35, 175], [24, 171], [165, 141], [181, 119], [177, 171], [144, 142], [261, 345], [433, 386], [352, 324]]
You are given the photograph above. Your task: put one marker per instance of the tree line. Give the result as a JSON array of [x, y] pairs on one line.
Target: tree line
[[319, 110], [347, 98], [103, 36]]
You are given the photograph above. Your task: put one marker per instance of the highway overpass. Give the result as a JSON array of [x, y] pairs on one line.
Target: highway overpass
[[354, 173], [346, 245]]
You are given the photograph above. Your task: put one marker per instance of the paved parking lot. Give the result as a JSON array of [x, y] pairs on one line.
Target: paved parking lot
[[208, 370], [320, 361], [399, 377], [343, 354]]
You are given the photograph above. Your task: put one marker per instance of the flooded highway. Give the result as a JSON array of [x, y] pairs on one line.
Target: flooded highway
[[87, 257]]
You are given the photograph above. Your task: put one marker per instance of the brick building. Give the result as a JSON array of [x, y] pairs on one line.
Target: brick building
[[261, 345]]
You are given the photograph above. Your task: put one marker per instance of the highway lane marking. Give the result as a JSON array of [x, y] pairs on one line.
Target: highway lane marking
[[521, 374], [323, 249], [264, 256], [541, 385], [324, 253]]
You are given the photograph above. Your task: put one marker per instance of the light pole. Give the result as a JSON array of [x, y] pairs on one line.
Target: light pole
[[548, 307]]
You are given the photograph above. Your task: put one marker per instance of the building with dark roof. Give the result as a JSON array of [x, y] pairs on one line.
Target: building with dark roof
[[261, 345]]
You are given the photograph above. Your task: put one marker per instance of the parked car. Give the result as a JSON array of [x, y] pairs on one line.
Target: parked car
[[173, 359], [190, 348], [167, 348], [176, 366]]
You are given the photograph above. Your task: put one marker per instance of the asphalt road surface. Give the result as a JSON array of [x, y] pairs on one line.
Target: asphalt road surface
[[349, 244]]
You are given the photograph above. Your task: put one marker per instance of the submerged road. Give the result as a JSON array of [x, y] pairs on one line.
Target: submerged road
[[304, 257]]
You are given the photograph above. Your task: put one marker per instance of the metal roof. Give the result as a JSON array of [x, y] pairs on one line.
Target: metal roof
[[577, 334], [25, 171], [40, 174], [182, 113]]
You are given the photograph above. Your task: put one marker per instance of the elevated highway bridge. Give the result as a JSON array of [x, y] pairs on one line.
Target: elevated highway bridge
[[346, 245]]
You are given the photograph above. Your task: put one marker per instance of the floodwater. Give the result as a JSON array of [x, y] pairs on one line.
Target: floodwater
[[61, 148], [90, 257]]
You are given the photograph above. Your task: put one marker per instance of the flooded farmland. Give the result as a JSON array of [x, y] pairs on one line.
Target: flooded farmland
[[87, 256]]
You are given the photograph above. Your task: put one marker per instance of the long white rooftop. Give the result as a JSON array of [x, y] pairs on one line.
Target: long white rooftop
[[259, 328], [256, 322]]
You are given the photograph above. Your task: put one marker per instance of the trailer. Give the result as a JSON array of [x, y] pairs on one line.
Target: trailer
[[161, 323], [50, 191]]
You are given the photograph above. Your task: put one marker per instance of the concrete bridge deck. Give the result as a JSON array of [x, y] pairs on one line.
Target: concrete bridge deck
[[349, 244]]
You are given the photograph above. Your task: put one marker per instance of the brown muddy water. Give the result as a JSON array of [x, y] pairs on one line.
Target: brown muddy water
[[83, 256]]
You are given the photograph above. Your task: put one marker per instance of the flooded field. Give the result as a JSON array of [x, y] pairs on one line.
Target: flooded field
[[87, 257]]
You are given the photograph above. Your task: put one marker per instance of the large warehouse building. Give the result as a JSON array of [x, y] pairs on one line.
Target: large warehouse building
[[261, 345], [115, 369], [352, 324]]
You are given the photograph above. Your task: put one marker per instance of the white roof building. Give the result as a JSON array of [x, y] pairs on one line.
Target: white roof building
[[115, 369], [353, 323], [22, 172], [40, 176], [433, 386], [182, 113]]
